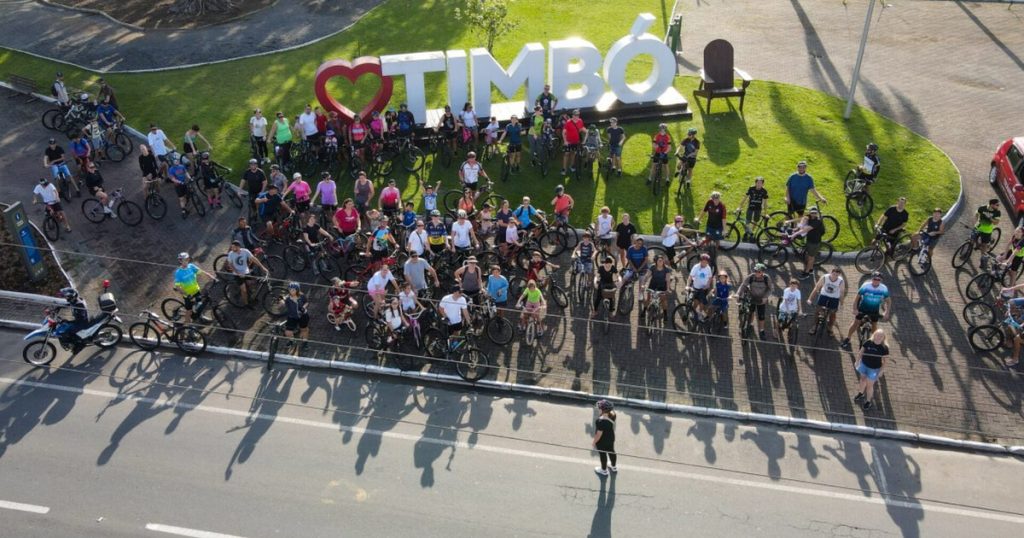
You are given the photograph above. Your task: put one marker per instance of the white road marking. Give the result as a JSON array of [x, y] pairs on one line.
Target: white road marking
[[183, 531], [883, 486], [21, 507], [929, 507]]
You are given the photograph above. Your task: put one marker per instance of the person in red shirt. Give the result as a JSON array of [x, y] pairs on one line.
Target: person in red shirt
[[715, 211], [572, 133], [661, 145], [563, 205]]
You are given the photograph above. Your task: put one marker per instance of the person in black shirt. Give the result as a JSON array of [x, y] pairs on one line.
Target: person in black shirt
[[754, 200], [616, 139], [604, 438], [606, 281], [297, 315], [813, 229], [547, 102], [245, 234], [312, 233], [659, 278], [624, 233], [447, 126], [892, 222], [252, 182], [94, 185], [869, 366]]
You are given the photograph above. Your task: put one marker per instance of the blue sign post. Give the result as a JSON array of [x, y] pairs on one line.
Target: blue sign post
[[20, 229]]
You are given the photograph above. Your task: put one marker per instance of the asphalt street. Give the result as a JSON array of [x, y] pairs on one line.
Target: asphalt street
[[123, 442]]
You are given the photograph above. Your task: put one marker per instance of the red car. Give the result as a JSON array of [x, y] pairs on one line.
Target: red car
[[1007, 174]]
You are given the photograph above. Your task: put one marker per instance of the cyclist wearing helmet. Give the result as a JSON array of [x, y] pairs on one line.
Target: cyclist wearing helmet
[[592, 143], [661, 145], [180, 177], [79, 318], [759, 286], [572, 133], [604, 438], [659, 279], [562, 203], [297, 315], [186, 281], [211, 179], [437, 233], [872, 302], [686, 154], [868, 170]]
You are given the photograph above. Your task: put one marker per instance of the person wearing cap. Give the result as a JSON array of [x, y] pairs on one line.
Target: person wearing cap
[[869, 168], [240, 262], [754, 200], [686, 155], [616, 140], [798, 186], [60, 92], [270, 204], [470, 278], [415, 271], [430, 197], [331, 153], [872, 302], [661, 145], [470, 172], [759, 287], [532, 303], [258, 135], [281, 134], [514, 132], [301, 190], [55, 160], [714, 210], [48, 194], [463, 237], [277, 178], [812, 228], [604, 438], [212, 181], [547, 102], [186, 282], [454, 309], [160, 145], [830, 289], [573, 132], [562, 204]]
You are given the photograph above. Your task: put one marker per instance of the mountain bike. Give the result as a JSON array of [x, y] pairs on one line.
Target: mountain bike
[[885, 248], [154, 204], [581, 283], [147, 334], [789, 330], [990, 337], [487, 319], [555, 235], [299, 256], [275, 264], [739, 230], [51, 224], [653, 316], [276, 331], [484, 194], [604, 309], [127, 211], [972, 243], [775, 244], [858, 201], [65, 184], [260, 291], [470, 362], [657, 174], [983, 283]]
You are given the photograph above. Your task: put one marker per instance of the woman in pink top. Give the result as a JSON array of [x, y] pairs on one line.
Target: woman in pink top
[[346, 221], [326, 191], [301, 190]]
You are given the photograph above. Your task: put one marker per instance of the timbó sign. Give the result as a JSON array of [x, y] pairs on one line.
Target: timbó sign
[[575, 69]]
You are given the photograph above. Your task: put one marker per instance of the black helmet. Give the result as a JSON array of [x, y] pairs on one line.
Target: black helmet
[[605, 405], [872, 146], [69, 293]]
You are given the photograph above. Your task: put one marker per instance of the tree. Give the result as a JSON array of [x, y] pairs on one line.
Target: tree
[[487, 18]]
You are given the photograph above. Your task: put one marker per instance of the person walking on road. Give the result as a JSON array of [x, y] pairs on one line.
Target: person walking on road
[[869, 366], [604, 438]]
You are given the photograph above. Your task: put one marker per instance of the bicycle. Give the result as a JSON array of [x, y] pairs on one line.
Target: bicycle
[[486, 319], [541, 155], [65, 183], [304, 158], [654, 315], [154, 204], [147, 334], [972, 243], [581, 283], [657, 174], [223, 187], [605, 169], [286, 231], [990, 337], [127, 211], [739, 230], [864, 330], [51, 224], [775, 244], [484, 194], [789, 330], [626, 292], [506, 166], [859, 203], [604, 309], [275, 265], [205, 311], [118, 144], [884, 248], [260, 291], [983, 283], [556, 236], [411, 157], [471, 363], [822, 322], [549, 287], [299, 256], [440, 148], [276, 329], [193, 199]]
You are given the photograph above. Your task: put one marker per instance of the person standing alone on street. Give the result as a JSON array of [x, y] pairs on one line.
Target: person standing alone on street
[[604, 438]]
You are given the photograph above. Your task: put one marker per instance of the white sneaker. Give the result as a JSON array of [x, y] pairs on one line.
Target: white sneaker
[[600, 471], [613, 468], [337, 328]]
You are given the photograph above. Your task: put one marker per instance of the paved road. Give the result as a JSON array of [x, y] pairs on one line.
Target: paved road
[[97, 43], [211, 445]]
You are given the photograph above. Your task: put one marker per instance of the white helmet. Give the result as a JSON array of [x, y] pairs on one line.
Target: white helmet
[[183, 256]]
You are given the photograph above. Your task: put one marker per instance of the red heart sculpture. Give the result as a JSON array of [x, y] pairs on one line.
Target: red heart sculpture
[[366, 65]]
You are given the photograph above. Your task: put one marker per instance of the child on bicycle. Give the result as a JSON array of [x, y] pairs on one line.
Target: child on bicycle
[[410, 301], [341, 303], [789, 306], [533, 305], [720, 301], [539, 269], [395, 320], [583, 255], [592, 143], [491, 135], [485, 220], [511, 243]]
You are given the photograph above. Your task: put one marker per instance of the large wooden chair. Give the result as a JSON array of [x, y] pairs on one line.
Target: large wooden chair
[[716, 78]]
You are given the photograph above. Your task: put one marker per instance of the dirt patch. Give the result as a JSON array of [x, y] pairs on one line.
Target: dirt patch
[[13, 275], [164, 14]]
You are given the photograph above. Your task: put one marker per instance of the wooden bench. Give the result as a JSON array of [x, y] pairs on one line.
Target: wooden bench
[[22, 86], [717, 77]]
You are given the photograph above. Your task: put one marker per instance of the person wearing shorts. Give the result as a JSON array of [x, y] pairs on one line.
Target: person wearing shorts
[[716, 214], [872, 300], [700, 283], [297, 315], [986, 219], [572, 134], [454, 309], [759, 286], [616, 139], [830, 289], [377, 287], [605, 283], [870, 365], [661, 145], [533, 305], [514, 131], [798, 186]]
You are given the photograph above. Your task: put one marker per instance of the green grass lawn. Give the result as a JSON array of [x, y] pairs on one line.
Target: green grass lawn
[[781, 124]]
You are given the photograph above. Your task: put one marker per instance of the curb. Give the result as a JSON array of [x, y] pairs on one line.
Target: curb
[[89, 11], [516, 388]]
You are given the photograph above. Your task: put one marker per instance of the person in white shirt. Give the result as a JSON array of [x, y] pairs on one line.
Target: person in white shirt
[[469, 120], [159, 144], [418, 239], [393, 315], [47, 192], [603, 228], [830, 289], [307, 120], [60, 91], [789, 306], [700, 283], [453, 307], [463, 237], [258, 132], [670, 237], [377, 286], [470, 171]]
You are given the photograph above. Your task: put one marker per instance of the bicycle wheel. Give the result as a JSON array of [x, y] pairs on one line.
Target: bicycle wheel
[[434, 343], [776, 219], [172, 308], [773, 255], [850, 183], [450, 200], [375, 336], [920, 263], [654, 317], [190, 340], [144, 335], [413, 159], [276, 265], [985, 337], [733, 236], [684, 319], [327, 268], [114, 153], [233, 197], [129, 213], [124, 142], [963, 254], [553, 243], [39, 352], [506, 170], [979, 286], [559, 297], [500, 330], [978, 313], [530, 336], [471, 363], [107, 336], [64, 187], [626, 298], [197, 203], [295, 258], [48, 118], [357, 271], [869, 259], [51, 229], [156, 207], [273, 301], [831, 228], [859, 205], [997, 233], [93, 210], [825, 252], [233, 294]]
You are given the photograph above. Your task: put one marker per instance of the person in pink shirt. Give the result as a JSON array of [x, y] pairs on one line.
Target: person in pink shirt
[[327, 193], [346, 222], [390, 199], [302, 192]]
